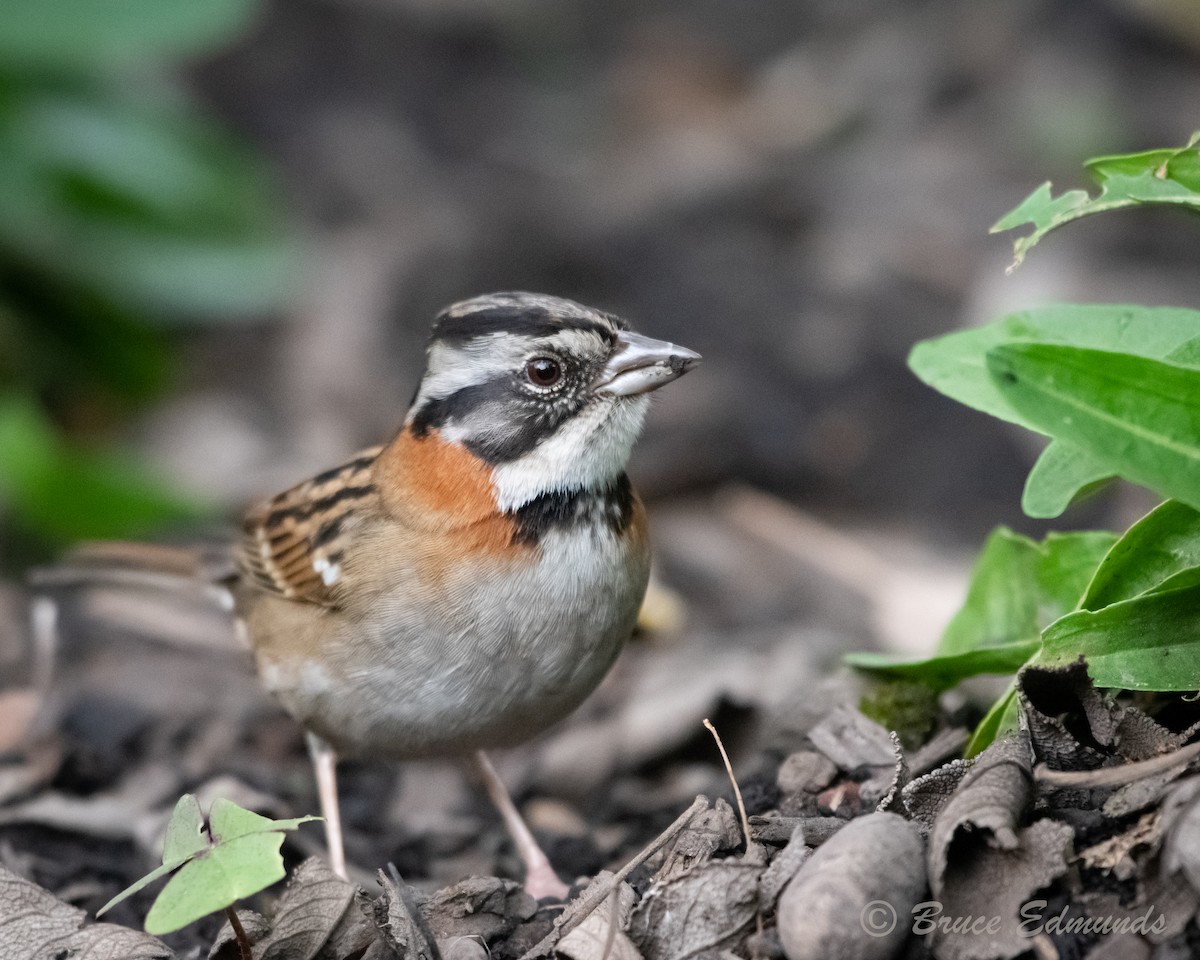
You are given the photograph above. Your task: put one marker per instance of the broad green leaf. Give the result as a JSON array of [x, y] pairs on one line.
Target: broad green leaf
[[90, 34], [184, 839], [1000, 719], [185, 831], [1139, 417], [1061, 476], [234, 855], [67, 495], [1018, 586], [228, 822], [1162, 545], [1155, 176], [1151, 642], [217, 880], [1187, 354], [956, 364], [944, 671]]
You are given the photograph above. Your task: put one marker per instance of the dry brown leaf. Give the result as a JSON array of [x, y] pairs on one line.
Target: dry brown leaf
[[988, 804], [699, 914], [317, 919], [35, 925], [830, 909], [602, 935]]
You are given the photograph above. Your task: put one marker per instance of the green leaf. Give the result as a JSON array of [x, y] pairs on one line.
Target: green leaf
[[1000, 719], [1139, 417], [141, 200], [235, 855], [956, 364], [1155, 176], [1158, 548], [90, 34], [185, 831], [943, 671], [67, 495], [1061, 476], [184, 839], [228, 822], [1018, 586], [217, 880], [1151, 642]]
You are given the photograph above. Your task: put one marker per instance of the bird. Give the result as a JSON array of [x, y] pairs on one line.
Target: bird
[[467, 584]]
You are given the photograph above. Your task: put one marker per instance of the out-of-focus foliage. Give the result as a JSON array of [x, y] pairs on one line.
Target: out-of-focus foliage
[[124, 212]]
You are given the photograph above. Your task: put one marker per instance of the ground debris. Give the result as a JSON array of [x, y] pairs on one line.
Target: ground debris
[[851, 899], [36, 925]]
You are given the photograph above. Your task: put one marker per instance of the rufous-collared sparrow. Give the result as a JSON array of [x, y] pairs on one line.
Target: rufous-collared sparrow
[[469, 583]]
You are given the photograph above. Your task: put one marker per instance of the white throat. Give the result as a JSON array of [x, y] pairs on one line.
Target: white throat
[[590, 449]]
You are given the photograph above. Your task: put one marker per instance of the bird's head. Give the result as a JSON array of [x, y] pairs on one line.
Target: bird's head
[[549, 393]]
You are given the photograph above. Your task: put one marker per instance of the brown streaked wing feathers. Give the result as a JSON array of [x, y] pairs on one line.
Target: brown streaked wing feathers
[[293, 543]]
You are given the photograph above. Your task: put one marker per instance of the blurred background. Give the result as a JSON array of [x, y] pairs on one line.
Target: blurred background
[[225, 228]]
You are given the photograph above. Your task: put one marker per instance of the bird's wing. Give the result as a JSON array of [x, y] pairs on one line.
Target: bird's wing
[[292, 544]]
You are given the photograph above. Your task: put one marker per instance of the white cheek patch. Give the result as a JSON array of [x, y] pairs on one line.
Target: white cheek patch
[[587, 450]]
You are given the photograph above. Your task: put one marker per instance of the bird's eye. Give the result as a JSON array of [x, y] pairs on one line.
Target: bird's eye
[[543, 371]]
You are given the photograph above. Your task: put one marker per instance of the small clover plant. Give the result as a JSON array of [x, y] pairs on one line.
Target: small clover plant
[[1116, 389], [234, 854]]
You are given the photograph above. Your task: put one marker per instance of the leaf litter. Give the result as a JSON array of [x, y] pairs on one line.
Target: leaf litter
[[1092, 808]]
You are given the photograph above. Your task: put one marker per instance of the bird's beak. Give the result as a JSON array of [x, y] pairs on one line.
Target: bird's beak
[[641, 364]]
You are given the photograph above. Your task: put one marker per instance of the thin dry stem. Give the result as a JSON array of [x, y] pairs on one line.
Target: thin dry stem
[[737, 791]]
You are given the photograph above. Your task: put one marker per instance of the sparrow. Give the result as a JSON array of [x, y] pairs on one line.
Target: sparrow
[[467, 584]]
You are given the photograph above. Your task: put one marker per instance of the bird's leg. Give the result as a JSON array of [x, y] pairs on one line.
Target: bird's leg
[[324, 761], [540, 878]]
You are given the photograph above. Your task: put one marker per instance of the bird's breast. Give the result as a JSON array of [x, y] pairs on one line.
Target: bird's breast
[[450, 651]]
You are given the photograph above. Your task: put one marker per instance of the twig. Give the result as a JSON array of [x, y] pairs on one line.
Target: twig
[[737, 792], [579, 910], [1116, 776], [239, 934]]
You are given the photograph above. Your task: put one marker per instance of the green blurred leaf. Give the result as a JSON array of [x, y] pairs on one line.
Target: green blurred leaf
[[1162, 545], [67, 495], [142, 201], [943, 671], [67, 344], [1135, 415], [1151, 642], [1018, 586], [956, 364], [235, 855], [1000, 719], [1061, 476], [91, 34], [1155, 176]]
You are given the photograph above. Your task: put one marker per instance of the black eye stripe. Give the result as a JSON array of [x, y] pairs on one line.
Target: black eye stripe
[[526, 421]]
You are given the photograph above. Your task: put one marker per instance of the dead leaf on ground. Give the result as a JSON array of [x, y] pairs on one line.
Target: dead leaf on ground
[[826, 911], [988, 804], [36, 925], [602, 935], [852, 740], [317, 919], [699, 914], [1073, 726], [485, 907]]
